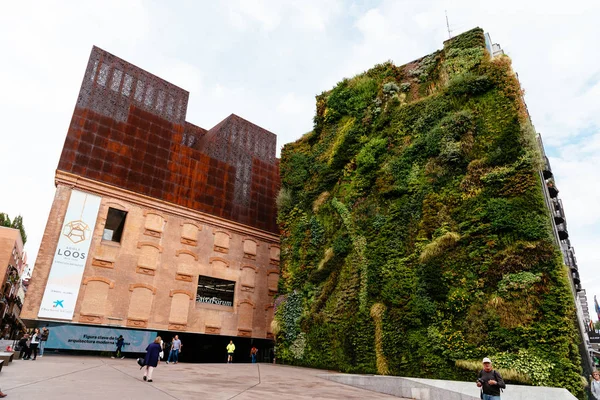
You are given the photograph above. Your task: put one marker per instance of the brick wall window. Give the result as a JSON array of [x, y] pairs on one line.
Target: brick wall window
[[115, 221], [215, 291]]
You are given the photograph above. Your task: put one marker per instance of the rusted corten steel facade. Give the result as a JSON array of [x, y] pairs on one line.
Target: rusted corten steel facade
[[129, 130], [199, 204]]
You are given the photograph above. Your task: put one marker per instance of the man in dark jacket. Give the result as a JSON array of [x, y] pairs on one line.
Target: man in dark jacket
[[490, 381], [24, 345], [44, 339]]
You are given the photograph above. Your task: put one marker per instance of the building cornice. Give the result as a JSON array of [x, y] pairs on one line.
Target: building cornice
[[102, 189]]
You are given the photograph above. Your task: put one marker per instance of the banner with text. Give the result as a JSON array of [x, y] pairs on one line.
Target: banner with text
[[71, 255], [76, 337], [594, 337]]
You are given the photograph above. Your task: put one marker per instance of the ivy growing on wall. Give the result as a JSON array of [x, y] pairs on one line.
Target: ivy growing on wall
[[415, 236]]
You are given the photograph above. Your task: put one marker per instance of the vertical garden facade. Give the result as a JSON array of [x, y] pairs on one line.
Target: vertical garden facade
[[415, 237]]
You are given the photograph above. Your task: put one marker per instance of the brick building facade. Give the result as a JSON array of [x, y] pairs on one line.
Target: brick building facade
[[12, 263], [185, 237]]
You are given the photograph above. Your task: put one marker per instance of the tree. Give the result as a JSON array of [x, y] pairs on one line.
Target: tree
[[4, 220], [17, 223]]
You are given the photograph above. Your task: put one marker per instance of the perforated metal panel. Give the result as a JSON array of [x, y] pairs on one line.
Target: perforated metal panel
[[111, 85], [238, 142]]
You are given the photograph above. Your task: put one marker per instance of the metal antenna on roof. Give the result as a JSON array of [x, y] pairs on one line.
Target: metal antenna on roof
[[448, 25]]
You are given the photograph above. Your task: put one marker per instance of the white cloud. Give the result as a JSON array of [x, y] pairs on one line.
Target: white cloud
[[575, 179], [576, 169], [390, 32], [218, 91], [292, 104], [182, 74], [308, 15], [315, 15], [242, 12], [373, 25]]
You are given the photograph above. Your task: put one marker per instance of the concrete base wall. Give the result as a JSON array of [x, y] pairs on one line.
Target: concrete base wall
[[4, 343], [435, 389]]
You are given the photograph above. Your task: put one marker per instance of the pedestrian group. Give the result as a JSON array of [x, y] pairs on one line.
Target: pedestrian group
[[31, 343]]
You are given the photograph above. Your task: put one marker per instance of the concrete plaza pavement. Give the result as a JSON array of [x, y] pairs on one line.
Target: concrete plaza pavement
[[84, 377]]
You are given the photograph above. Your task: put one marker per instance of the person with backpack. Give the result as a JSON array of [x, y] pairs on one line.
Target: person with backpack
[[490, 381]]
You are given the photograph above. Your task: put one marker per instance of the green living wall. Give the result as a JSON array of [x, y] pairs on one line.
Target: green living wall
[[415, 237]]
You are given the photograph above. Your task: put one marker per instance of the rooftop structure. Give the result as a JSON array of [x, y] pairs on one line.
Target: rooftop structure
[[129, 131]]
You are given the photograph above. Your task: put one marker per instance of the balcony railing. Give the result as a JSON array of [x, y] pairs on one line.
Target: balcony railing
[[559, 217], [547, 171], [556, 203], [571, 257], [575, 276], [562, 231], [569, 262]]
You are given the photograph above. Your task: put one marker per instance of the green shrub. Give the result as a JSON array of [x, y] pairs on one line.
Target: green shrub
[[284, 199], [468, 84], [368, 158], [295, 171], [439, 246], [519, 281], [459, 61], [390, 88]]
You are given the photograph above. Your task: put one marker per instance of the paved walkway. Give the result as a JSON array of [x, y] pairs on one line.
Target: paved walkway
[[81, 377]]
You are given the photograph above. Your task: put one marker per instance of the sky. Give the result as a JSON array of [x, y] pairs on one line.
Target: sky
[[266, 60]]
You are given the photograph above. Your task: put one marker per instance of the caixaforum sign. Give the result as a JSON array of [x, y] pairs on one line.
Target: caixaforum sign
[[71, 255], [213, 300]]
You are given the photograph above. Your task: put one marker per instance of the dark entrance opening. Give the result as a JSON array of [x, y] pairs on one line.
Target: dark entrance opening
[[199, 348]]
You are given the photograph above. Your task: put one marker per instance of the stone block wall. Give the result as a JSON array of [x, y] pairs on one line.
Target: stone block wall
[[149, 279]]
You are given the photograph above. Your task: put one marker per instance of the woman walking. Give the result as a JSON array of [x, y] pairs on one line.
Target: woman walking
[[151, 359], [35, 341]]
